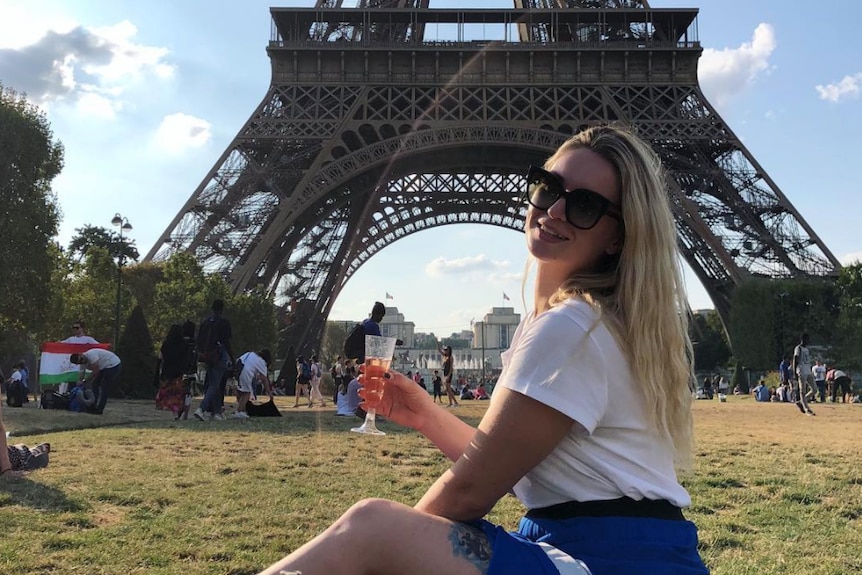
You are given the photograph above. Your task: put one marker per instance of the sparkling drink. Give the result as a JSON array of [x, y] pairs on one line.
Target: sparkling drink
[[378, 357], [375, 367]]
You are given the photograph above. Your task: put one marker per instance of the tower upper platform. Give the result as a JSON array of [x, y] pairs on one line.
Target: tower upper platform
[[408, 28]]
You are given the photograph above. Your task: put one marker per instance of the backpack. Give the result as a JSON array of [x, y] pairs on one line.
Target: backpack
[[15, 394], [55, 400], [208, 344], [238, 366], [333, 372], [304, 373], [354, 345]]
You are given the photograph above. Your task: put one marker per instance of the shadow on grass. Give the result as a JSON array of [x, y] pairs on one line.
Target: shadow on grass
[[291, 423], [30, 493], [141, 414]]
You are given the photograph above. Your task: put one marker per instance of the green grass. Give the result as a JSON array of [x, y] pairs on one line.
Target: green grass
[[135, 492]]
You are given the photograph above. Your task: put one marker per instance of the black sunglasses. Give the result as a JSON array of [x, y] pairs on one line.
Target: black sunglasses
[[584, 208], [76, 327]]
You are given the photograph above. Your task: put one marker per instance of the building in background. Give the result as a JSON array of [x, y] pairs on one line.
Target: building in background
[[482, 344]]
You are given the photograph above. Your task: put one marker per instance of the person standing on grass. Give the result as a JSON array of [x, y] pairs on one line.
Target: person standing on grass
[[841, 385], [819, 371], [437, 385], [338, 378], [255, 367], [104, 366], [591, 414], [805, 379], [785, 372], [214, 349], [314, 395], [448, 375], [303, 380], [78, 335], [174, 358]]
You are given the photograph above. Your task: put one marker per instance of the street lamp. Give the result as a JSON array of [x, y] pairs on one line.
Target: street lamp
[[124, 225]]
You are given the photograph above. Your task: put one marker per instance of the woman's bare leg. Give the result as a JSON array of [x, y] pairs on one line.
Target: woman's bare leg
[[379, 537]]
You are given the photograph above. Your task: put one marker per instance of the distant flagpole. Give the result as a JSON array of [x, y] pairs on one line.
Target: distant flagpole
[[389, 296], [505, 297]]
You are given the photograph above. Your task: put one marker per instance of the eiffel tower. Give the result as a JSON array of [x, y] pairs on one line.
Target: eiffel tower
[[389, 118]]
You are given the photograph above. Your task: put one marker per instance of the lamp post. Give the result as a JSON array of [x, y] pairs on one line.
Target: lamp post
[[125, 226]]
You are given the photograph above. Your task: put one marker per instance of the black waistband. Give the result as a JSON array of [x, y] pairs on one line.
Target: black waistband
[[622, 507]]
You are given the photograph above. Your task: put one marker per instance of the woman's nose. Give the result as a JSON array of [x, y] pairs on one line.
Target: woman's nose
[[558, 209]]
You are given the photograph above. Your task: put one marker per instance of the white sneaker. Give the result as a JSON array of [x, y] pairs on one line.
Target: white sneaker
[[200, 415], [218, 417], [240, 415]]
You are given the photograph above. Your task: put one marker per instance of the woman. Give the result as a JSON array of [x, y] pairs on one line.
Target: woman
[[303, 380], [448, 374], [591, 412], [172, 390], [314, 395]]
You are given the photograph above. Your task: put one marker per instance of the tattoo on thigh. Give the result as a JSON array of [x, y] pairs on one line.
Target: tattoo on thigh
[[471, 544]]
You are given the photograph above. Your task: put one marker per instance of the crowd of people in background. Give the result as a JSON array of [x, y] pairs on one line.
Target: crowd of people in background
[[800, 380]]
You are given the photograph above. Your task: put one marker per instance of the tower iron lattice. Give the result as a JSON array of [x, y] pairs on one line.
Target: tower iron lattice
[[390, 118]]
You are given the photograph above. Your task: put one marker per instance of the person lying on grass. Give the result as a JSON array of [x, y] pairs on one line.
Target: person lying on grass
[[16, 460]]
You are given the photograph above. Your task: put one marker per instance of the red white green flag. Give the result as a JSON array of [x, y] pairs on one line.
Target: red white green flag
[[55, 366]]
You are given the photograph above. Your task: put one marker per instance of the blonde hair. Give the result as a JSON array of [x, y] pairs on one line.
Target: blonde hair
[[639, 291]]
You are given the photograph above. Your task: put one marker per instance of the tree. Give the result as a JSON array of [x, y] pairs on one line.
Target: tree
[[252, 317], [768, 316], [138, 371], [91, 236], [711, 348], [30, 159], [142, 280], [332, 344], [184, 293], [848, 326], [90, 294]]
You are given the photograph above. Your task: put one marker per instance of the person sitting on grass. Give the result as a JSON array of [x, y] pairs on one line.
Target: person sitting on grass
[[591, 415], [255, 366], [761, 391], [481, 392], [81, 398]]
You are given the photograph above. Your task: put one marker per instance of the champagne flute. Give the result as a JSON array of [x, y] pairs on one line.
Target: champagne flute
[[378, 358]]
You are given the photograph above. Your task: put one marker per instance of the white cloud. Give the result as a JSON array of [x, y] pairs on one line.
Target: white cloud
[[94, 104], [22, 25], [440, 267], [179, 132], [851, 258], [727, 72], [96, 65], [848, 87]]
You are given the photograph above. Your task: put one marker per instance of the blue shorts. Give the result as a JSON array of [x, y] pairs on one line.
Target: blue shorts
[[607, 545]]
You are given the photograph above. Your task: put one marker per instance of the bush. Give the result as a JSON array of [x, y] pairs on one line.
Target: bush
[[138, 377]]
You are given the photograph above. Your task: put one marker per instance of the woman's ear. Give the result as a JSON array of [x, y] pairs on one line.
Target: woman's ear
[[615, 246]]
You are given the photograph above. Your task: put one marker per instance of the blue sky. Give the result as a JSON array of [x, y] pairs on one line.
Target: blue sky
[[146, 96]]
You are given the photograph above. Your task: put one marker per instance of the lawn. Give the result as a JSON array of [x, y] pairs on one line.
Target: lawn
[[132, 491]]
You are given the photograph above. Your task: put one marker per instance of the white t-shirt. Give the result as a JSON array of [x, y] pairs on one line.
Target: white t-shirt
[[803, 360], [101, 358], [252, 366], [568, 360], [79, 339], [16, 376], [819, 372]]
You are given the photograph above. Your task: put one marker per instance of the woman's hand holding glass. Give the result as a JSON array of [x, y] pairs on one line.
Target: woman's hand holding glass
[[403, 401]]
